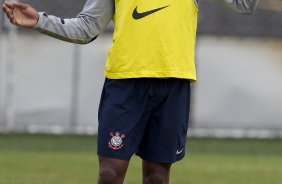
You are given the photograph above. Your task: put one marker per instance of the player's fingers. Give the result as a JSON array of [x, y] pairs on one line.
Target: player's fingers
[[13, 21], [8, 5], [10, 15], [8, 11], [5, 8], [20, 5]]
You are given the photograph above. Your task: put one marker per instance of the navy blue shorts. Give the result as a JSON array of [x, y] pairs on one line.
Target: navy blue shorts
[[144, 116]]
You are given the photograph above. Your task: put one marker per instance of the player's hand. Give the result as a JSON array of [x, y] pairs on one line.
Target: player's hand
[[21, 14]]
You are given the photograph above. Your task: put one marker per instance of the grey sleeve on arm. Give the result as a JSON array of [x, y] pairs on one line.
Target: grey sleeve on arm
[[241, 6], [93, 19]]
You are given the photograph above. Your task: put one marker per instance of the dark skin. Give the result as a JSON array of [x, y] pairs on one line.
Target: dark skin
[[111, 171], [156, 173]]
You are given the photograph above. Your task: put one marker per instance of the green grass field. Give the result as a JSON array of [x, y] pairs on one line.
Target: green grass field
[[45, 159]]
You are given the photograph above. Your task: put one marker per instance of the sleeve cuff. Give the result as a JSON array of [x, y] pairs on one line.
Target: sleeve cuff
[[41, 20]]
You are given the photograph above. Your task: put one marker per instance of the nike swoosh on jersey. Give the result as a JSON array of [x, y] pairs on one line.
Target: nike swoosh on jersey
[[136, 15]]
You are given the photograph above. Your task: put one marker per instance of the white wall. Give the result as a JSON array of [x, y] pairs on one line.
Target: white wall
[[43, 81], [239, 83]]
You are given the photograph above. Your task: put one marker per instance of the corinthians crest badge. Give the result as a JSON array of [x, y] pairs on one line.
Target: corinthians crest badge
[[116, 141]]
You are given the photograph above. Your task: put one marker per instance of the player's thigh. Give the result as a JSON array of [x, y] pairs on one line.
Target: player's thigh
[[121, 118], [166, 133]]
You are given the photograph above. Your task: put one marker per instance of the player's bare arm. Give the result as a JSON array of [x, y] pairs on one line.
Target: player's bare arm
[[82, 29]]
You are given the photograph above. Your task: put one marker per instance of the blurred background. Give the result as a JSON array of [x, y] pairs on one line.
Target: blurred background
[[51, 86]]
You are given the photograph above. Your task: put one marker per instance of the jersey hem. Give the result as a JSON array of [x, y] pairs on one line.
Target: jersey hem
[[128, 75]]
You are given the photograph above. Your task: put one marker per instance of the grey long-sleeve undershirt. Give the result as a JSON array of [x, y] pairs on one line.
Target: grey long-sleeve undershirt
[[82, 29], [96, 15]]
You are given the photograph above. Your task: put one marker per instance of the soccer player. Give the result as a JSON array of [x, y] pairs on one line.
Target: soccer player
[[144, 108]]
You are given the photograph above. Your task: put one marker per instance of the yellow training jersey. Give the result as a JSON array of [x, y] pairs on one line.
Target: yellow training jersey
[[153, 38]]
